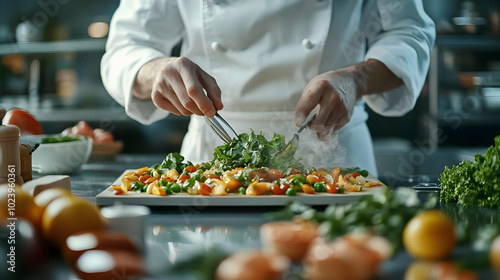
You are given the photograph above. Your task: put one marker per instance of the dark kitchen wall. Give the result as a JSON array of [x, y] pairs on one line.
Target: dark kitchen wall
[[461, 98]]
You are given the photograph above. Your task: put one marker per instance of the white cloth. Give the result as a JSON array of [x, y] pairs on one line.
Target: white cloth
[[263, 52]]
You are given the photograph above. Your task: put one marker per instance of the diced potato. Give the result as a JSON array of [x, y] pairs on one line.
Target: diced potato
[[335, 174], [361, 180], [140, 171], [258, 188], [151, 186], [329, 179], [353, 187], [120, 189], [231, 183], [172, 173], [371, 184], [219, 189], [157, 190]]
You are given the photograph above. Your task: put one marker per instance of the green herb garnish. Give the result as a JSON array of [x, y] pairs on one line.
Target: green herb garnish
[[253, 150], [174, 161]]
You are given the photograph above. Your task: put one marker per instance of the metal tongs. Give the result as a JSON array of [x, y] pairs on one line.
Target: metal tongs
[[215, 125], [291, 147]]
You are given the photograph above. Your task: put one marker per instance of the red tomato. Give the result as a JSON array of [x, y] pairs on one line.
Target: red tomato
[[101, 136], [182, 178], [26, 122], [204, 189], [273, 175], [84, 129], [294, 171], [279, 189], [190, 169], [143, 178], [355, 174], [213, 176], [259, 172], [332, 188]]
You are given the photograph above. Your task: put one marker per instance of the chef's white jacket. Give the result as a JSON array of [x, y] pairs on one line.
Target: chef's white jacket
[[263, 53]]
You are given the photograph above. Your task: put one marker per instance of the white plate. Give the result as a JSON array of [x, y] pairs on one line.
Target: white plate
[[107, 197]]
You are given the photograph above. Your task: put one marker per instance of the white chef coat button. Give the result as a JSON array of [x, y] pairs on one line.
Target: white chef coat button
[[306, 43], [217, 47]]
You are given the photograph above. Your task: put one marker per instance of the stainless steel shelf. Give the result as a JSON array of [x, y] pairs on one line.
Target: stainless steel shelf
[[467, 42], [81, 45]]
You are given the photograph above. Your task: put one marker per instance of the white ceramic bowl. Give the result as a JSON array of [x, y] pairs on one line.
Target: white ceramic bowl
[[58, 158]]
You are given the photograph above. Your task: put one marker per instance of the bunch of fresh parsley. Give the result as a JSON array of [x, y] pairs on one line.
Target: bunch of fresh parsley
[[475, 183]]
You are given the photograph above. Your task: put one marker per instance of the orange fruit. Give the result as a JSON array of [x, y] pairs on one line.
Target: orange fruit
[[66, 216], [44, 198], [15, 202], [494, 254], [429, 235]]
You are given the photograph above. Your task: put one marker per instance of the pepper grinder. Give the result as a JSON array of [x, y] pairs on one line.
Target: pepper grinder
[[10, 160]]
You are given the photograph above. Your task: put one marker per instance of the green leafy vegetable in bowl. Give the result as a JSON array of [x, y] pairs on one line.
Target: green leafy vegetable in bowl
[[253, 150], [474, 183], [59, 139]]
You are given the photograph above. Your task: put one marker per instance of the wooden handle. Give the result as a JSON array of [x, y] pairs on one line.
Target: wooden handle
[[2, 112]]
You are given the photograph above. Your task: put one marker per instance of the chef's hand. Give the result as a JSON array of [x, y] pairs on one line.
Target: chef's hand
[[336, 93], [178, 85]]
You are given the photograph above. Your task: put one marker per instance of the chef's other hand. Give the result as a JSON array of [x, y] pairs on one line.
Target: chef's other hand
[[336, 93], [178, 85]]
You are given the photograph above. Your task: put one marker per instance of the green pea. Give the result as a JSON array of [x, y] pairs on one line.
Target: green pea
[[175, 187], [291, 191], [168, 190], [319, 187], [363, 173], [341, 190], [242, 190]]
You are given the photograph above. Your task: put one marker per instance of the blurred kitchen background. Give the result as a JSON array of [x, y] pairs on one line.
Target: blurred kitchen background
[[50, 51]]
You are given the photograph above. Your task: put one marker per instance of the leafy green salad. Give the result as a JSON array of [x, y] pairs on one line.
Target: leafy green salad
[[59, 139]]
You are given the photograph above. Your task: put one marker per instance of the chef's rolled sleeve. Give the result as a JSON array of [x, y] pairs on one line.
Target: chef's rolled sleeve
[[129, 47], [403, 44]]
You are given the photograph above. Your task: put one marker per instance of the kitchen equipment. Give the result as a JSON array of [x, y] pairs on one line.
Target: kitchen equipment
[[216, 126], [10, 160], [41, 184], [291, 147], [129, 220], [58, 158], [25, 159], [198, 202]]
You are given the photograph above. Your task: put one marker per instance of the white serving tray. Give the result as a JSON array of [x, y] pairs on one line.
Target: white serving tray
[[107, 197]]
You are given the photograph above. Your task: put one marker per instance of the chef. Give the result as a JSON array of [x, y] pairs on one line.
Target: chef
[[266, 65]]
